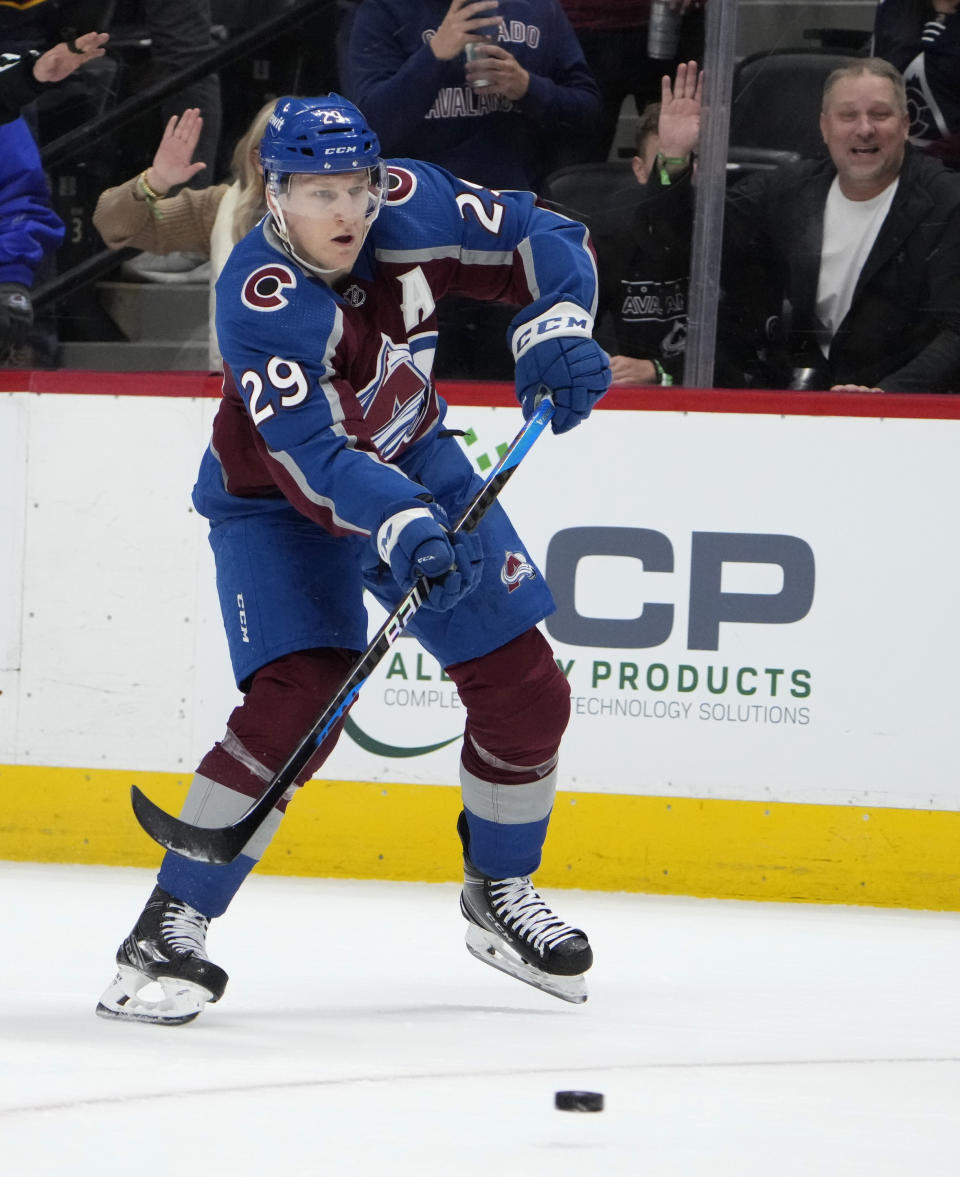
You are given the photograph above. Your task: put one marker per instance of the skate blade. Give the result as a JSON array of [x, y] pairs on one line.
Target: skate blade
[[489, 948], [166, 1001]]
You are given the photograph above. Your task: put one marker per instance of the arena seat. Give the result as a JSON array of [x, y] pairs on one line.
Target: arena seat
[[776, 100]]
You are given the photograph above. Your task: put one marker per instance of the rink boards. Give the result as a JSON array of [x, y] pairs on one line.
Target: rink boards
[[755, 612]]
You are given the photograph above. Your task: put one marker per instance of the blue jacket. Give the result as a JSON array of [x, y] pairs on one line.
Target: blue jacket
[[29, 228], [423, 107]]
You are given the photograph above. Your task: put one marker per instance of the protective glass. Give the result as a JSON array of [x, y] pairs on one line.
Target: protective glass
[[323, 195]]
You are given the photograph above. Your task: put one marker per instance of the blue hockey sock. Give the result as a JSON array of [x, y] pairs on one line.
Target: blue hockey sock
[[207, 886], [505, 852], [507, 824], [204, 885]]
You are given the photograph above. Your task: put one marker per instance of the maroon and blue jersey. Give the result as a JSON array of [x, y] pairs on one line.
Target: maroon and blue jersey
[[326, 390]]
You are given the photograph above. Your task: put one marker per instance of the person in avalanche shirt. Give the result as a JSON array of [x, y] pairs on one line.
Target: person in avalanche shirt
[[500, 120], [407, 71]]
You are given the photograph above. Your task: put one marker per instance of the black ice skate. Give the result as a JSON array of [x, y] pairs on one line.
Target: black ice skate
[[512, 929], [163, 974]]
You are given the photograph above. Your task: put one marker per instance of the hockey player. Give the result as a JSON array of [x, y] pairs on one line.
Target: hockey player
[[330, 471]]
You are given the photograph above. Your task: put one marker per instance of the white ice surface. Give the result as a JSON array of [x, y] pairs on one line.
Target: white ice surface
[[358, 1037]]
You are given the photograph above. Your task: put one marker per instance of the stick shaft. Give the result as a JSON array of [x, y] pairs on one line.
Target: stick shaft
[[223, 844]]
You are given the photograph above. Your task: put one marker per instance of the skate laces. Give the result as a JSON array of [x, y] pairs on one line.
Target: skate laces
[[184, 928], [519, 905]]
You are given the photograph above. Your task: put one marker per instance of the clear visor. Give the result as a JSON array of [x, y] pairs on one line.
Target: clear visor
[[351, 195]]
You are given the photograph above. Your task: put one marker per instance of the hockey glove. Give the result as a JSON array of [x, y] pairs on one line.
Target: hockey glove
[[574, 371], [414, 543], [16, 318]]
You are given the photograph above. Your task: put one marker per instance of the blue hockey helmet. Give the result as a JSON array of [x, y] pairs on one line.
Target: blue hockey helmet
[[317, 135]]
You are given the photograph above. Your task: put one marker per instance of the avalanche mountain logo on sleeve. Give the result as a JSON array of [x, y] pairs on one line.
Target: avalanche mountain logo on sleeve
[[516, 568]]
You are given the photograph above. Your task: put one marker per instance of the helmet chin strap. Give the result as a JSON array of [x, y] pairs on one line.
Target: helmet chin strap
[[284, 234]]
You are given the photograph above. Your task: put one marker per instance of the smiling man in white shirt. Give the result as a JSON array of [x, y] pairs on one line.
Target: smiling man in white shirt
[[862, 246]]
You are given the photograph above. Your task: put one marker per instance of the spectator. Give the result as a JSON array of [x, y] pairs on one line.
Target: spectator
[[922, 39], [644, 267], [27, 28], [181, 36], [406, 70], [29, 230], [25, 76], [29, 70], [864, 246], [205, 223], [613, 34]]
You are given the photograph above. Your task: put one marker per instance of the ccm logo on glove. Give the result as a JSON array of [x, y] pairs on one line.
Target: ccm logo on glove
[[557, 356], [566, 318]]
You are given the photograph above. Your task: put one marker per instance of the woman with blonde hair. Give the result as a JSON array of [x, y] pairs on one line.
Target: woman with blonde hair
[[206, 221]]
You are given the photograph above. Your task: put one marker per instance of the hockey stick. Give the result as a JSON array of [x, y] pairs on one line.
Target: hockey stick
[[223, 844]]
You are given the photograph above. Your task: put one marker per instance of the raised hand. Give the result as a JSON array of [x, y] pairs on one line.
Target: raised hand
[[680, 105], [172, 164], [60, 61], [465, 21]]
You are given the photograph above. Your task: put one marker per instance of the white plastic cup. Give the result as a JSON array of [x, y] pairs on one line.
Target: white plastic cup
[[474, 50]]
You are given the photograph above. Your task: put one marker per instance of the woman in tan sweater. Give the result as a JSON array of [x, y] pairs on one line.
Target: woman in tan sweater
[[208, 221]]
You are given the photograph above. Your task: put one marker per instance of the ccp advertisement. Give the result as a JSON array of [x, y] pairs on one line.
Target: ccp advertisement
[[748, 607]]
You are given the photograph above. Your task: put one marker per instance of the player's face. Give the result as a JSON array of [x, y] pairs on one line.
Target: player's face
[[326, 217], [865, 133]]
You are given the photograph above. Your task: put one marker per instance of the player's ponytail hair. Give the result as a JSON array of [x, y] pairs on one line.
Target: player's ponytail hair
[[246, 171]]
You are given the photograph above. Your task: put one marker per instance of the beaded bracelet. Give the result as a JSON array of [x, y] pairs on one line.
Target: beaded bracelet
[[149, 195]]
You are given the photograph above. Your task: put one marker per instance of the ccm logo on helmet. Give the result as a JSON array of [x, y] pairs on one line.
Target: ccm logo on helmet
[[263, 290], [340, 151]]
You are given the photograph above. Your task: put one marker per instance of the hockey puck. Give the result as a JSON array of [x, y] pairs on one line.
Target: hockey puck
[[578, 1101]]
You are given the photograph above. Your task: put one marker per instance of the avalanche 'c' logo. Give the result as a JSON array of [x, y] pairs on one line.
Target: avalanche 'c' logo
[[401, 186], [263, 290], [516, 568]]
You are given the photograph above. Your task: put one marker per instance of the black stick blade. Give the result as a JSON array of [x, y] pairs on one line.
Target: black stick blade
[[204, 845]]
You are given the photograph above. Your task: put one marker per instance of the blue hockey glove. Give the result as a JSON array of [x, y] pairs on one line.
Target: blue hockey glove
[[573, 370], [414, 543]]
